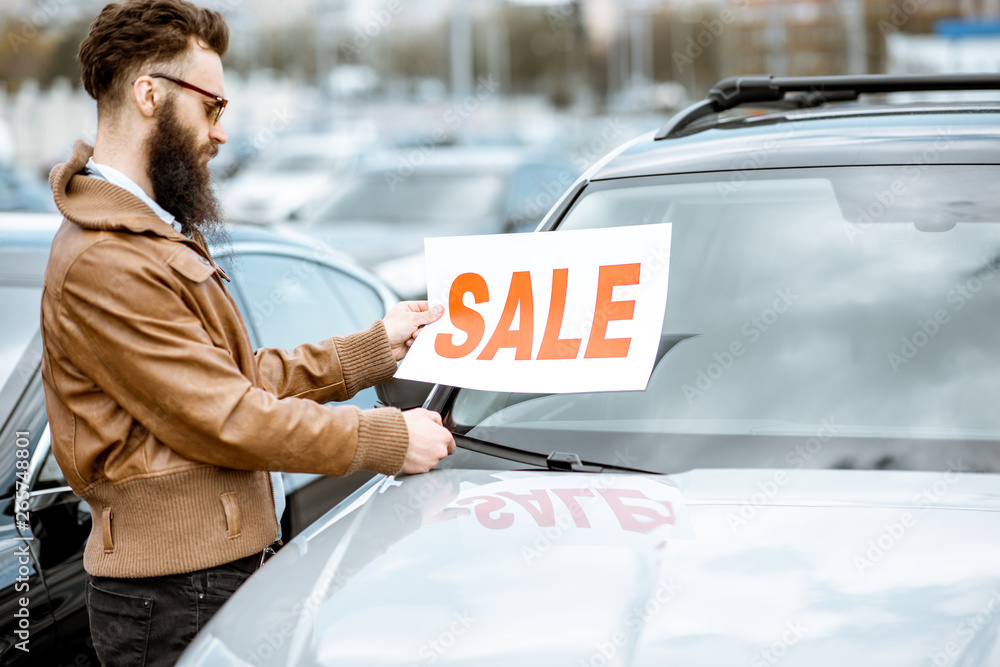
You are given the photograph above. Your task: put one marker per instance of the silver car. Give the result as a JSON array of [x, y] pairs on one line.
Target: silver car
[[810, 478]]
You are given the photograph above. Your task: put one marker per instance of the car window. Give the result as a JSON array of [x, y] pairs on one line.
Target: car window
[[25, 425], [362, 302], [864, 298], [291, 301], [288, 301], [21, 304]]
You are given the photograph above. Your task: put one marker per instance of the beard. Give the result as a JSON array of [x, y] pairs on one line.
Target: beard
[[182, 183]]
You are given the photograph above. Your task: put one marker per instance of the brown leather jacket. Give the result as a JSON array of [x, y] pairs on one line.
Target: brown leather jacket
[[163, 418]]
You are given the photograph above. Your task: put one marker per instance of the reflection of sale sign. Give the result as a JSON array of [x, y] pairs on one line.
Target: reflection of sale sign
[[536, 511], [555, 312]]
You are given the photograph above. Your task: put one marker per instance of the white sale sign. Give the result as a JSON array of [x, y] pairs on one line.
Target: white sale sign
[[554, 312]]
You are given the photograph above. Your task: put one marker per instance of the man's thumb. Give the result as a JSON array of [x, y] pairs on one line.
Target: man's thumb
[[428, 316]]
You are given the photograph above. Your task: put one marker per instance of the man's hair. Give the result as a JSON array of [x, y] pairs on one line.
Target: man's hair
[[126, 37]]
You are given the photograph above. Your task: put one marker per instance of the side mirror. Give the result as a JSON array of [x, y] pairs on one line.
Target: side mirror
[[403, 394]]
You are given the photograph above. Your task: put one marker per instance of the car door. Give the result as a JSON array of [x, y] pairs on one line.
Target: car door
[[288, 299], [27, 626], [61, 523]]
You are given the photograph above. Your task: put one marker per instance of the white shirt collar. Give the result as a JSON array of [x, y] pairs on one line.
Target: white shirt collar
[[115, 177]]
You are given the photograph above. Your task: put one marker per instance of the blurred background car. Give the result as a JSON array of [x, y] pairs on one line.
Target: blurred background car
[[290, 291], [811, 475], [382, 215], [289, 176], [19, 193]]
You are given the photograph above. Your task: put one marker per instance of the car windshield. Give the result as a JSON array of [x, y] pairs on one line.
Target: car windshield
[[826, 317], [435, 199]]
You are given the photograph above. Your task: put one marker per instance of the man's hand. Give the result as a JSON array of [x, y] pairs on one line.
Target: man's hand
[[429, 441], [404, 321]]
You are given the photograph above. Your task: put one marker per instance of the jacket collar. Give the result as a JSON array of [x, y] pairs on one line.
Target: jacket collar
[[96, 204]]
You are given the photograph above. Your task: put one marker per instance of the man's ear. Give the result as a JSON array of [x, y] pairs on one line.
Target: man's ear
[[145, 95]]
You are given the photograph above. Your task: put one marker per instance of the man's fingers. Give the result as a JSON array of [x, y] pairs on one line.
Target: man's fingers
[[429, 414], [411, 306], [427, 435], [427, 316]]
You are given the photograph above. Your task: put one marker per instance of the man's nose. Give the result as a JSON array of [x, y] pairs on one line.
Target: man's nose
[[218, 134]]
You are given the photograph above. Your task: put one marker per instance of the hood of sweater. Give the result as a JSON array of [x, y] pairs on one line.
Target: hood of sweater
[[93, 203], [96, 204]]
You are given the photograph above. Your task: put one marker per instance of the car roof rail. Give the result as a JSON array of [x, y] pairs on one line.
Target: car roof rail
[[812, 91]]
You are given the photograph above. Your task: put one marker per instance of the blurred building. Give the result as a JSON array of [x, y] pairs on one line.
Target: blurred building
[[697, 42]]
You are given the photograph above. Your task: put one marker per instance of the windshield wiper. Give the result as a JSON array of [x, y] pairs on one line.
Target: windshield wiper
[[558, 461]]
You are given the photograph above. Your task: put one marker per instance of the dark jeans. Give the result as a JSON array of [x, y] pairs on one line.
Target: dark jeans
[[149, 622]]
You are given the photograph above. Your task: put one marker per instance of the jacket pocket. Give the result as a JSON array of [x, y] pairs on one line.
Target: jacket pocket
[[232, 509], [109, 541], [191, 265]]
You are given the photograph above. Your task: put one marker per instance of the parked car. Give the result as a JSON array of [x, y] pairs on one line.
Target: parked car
[[289, 291], [290, 176], [19, 193], [381, 216], [812, 475]]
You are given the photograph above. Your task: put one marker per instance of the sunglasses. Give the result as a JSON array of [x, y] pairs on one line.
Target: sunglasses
[[220, 102]]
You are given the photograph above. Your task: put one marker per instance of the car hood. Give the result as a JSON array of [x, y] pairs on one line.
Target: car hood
[[709, 567]]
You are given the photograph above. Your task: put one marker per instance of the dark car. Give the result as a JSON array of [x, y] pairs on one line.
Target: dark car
[[812, 474], [19, 193], [381, 215], [290, 291]]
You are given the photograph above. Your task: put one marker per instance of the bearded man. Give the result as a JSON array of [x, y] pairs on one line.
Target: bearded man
[[163, 418]]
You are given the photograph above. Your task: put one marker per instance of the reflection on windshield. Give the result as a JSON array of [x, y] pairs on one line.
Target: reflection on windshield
[[799, 298], [431, 198]]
